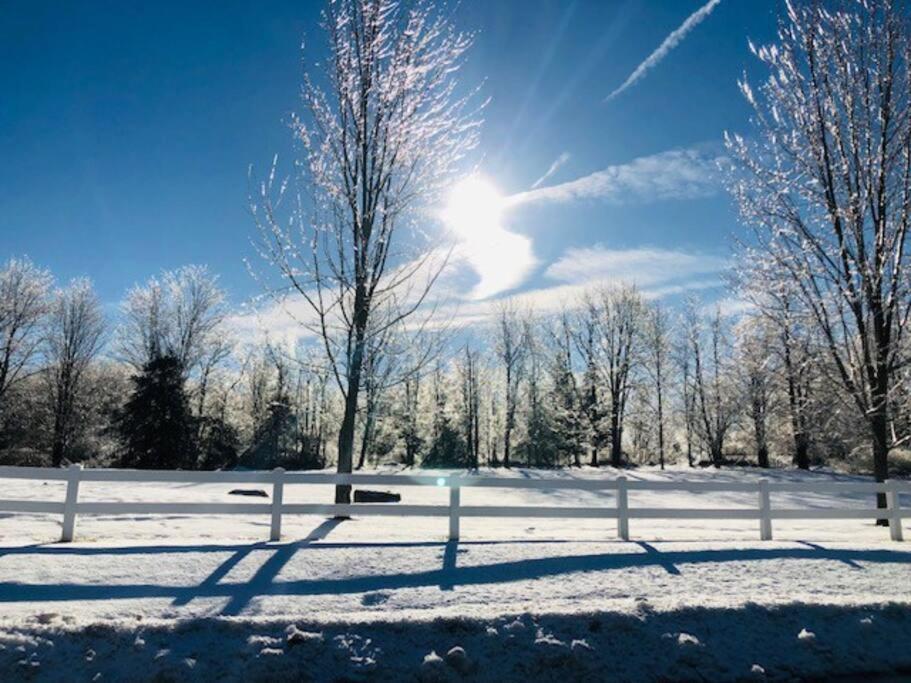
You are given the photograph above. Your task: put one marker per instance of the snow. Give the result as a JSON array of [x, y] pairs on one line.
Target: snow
[[205, 597]]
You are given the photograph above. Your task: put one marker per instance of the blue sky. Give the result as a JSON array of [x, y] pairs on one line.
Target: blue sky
[[126, 131]]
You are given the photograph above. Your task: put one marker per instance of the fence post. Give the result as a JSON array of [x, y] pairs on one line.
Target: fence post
[[765, 511], [69, 506], [895, 512], [454, 503], [278, 489], [622, 509]]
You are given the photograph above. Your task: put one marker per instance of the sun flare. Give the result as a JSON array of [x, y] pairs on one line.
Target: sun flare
[[474, 208]]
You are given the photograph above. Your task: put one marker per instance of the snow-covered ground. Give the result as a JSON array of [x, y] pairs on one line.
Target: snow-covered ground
[[183, 597]]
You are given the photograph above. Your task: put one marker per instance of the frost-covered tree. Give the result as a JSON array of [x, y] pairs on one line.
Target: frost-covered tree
[[826, 183], [181, 314], [568, 417], [755, 371], [73, 337], [384, 132], [511, 345], [618, 321], [657, 350], [714, 398], [469, 374], [24, 292]]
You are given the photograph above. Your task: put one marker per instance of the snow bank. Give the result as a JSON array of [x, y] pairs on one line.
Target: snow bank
[[751, 643]]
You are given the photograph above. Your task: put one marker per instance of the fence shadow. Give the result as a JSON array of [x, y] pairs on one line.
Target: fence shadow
[[447, 576]]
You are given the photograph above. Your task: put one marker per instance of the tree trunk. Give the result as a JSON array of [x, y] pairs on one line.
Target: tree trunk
[[717, 449], [762, 456], [616, 447], [507, 433], [365, 440], [880, 432], [346, 443], [660, 428]]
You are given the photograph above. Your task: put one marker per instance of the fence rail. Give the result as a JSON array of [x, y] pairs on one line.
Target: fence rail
[[621, 510]]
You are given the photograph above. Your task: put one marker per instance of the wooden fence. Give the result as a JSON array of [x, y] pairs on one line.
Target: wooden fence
[[278, 479]]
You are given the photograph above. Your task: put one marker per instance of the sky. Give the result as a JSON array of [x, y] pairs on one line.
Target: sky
[[127, 130]]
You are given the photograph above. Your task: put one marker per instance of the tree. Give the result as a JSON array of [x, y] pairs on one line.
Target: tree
[[618, 315], [657, 335], [181, 314], [585, 337], [826, 184], [511, 344], [408, 418], [382, 138], [568, 418], [156, 425], [543, 444], [687, 396], [469, 371], [756, 372], [73, 337], [712, 393], [23, 303]]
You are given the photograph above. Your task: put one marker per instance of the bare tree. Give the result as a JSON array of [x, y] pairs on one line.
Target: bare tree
[[585, 336], [618, 318], [73, 337], [381, 139], [793, 345], [756, 373], [826, 183], [511, 343], [687, 395], [182, 313], [23, 303], [469, 372], [657, 333], [712, 393]]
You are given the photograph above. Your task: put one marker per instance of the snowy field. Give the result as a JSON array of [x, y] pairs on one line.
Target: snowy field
[[179, 597]]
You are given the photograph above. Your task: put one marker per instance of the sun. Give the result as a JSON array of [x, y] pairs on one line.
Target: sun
[[474, 208]]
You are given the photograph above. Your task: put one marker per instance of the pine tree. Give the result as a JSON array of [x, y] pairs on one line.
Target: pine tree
[[156, 426]]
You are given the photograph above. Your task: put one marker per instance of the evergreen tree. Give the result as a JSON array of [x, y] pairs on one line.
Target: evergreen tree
[[156, 426]]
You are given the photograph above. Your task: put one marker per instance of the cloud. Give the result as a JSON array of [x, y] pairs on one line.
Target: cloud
[[644, 267], [669, 43], [675, 174], [554, 167], [658, 273], [501, 260], [729, 307]]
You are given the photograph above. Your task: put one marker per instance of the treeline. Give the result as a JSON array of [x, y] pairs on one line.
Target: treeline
[[614, 380], [167, 386], [619, 380]]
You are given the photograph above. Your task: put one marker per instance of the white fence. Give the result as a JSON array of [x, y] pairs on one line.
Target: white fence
[[764, 513]]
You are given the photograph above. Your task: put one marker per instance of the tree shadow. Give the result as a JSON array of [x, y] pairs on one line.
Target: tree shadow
[[448, 576]]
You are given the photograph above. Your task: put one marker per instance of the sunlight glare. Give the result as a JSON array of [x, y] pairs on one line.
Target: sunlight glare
[[474, 208]]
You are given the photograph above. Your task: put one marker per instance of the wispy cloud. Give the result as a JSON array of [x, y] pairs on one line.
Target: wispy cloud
[[674, 174], [554, 167], [658, 273], [644, 267], [669, 43]]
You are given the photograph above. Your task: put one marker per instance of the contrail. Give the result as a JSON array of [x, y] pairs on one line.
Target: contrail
[[558, 162], [672, 41]]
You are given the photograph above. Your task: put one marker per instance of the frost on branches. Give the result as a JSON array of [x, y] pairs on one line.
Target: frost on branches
[[384, 130], [826, 184]]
